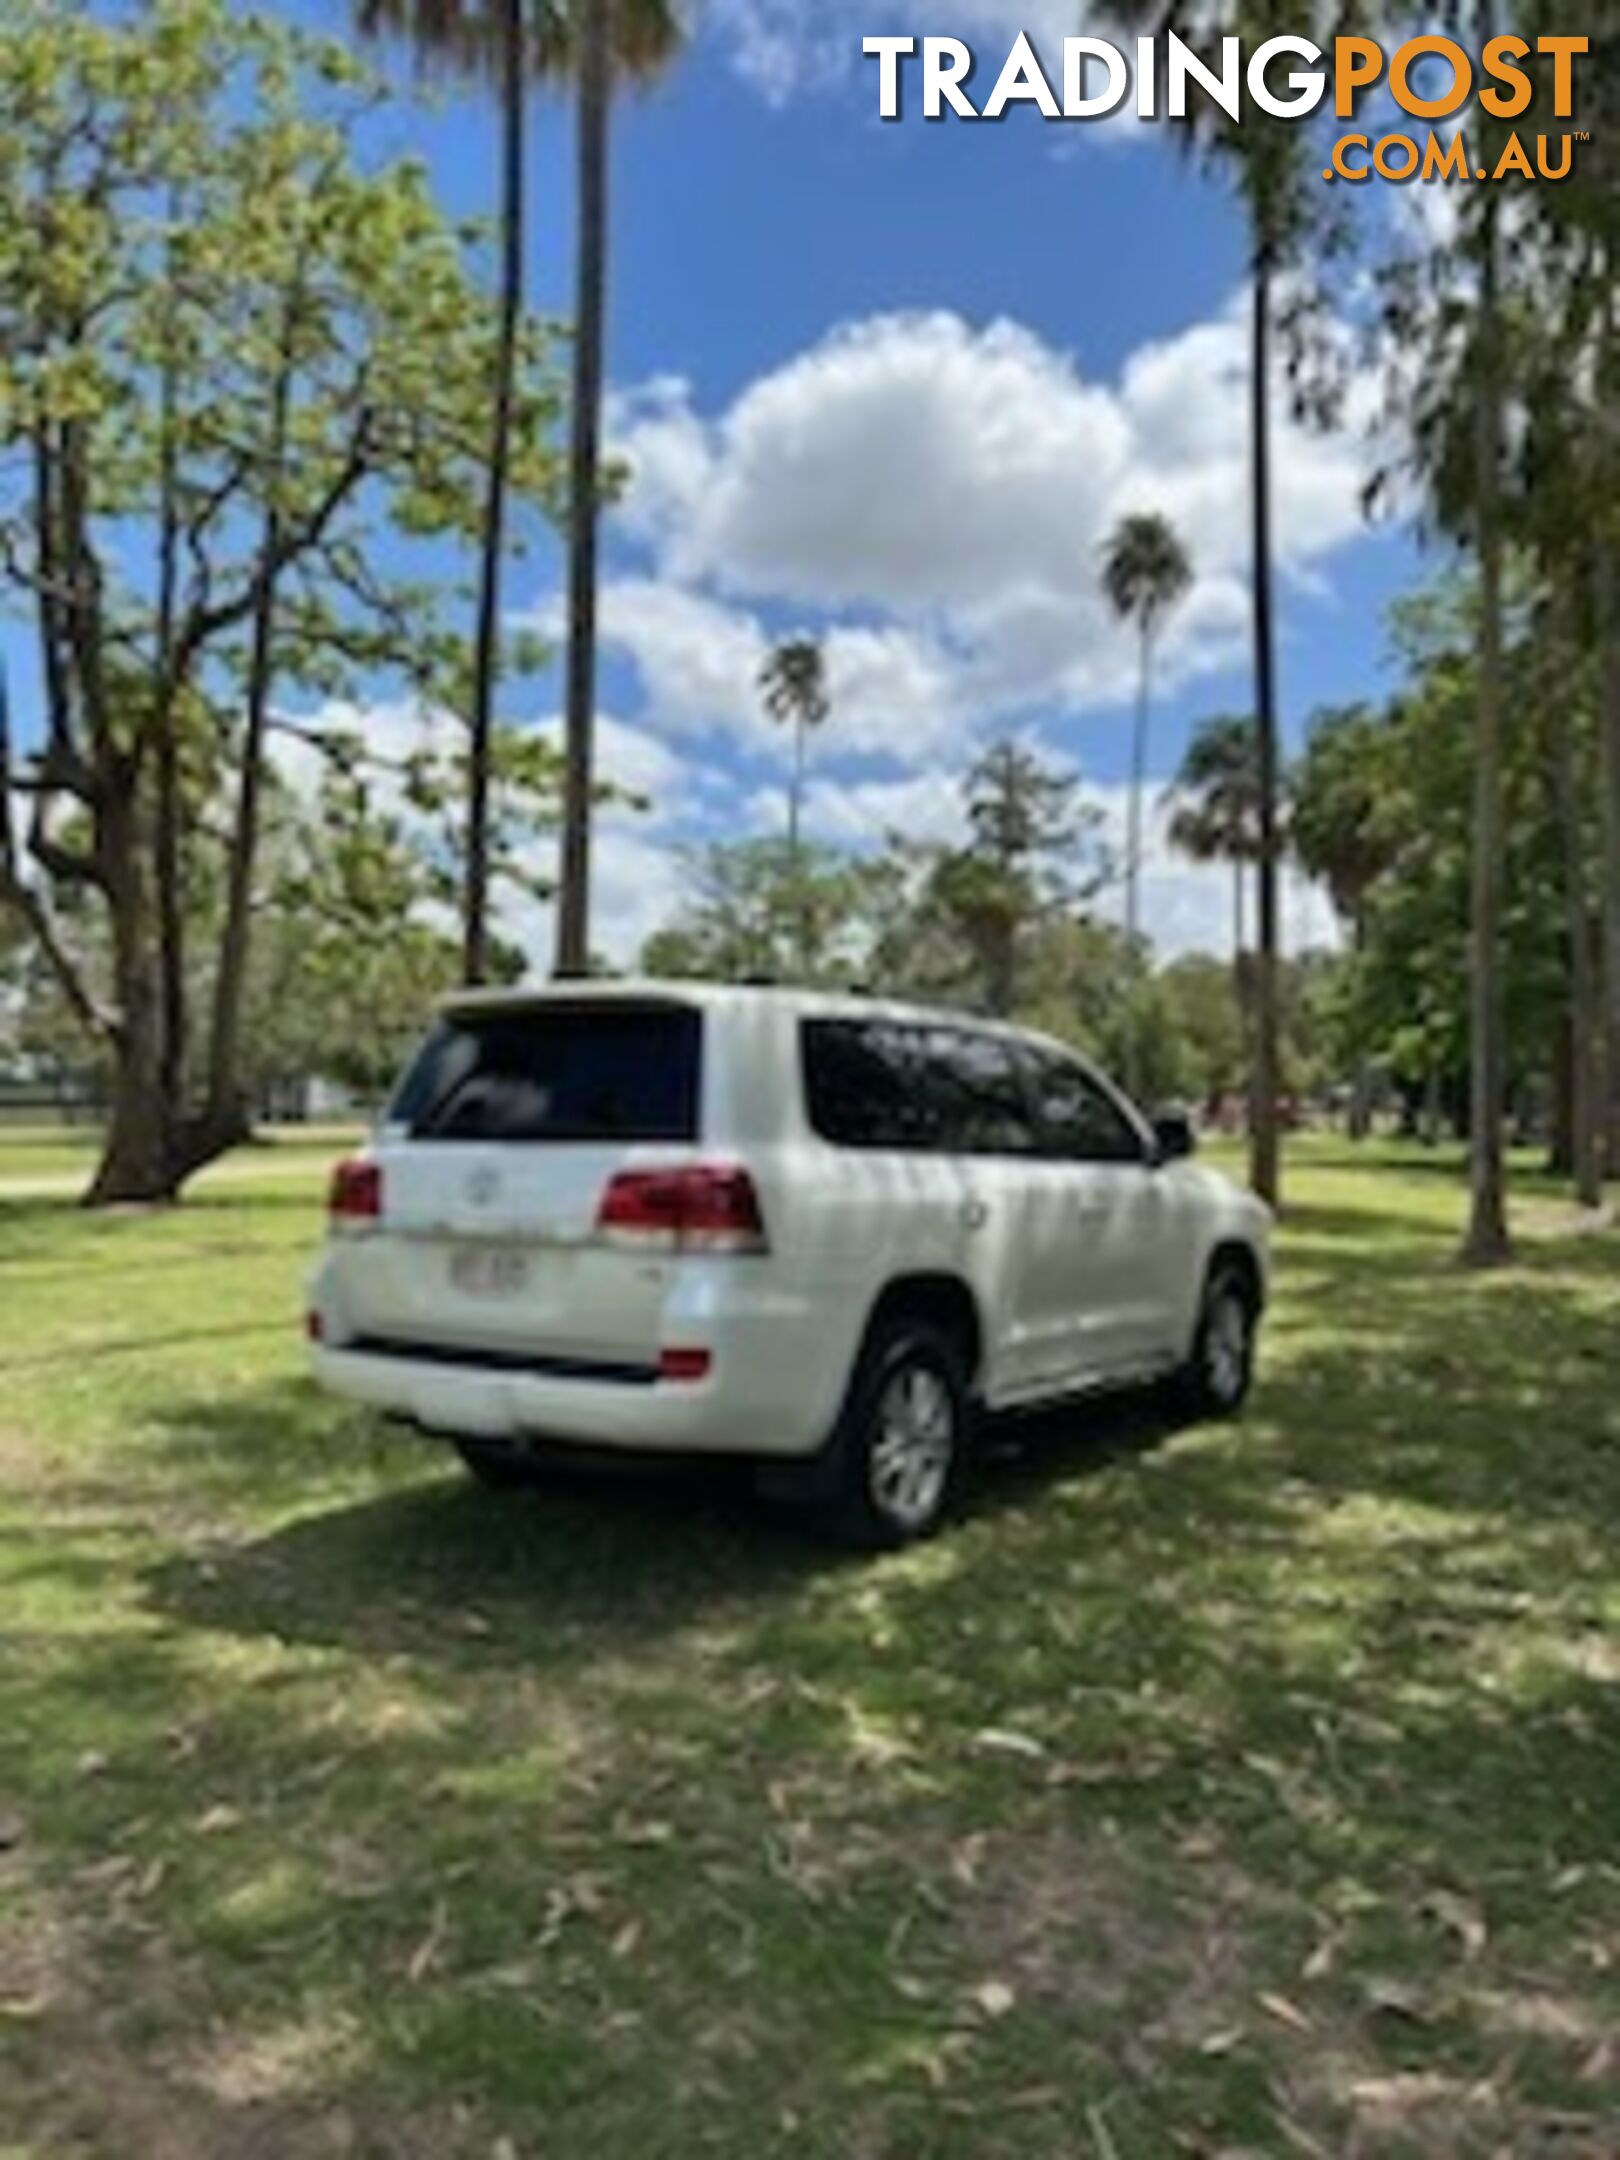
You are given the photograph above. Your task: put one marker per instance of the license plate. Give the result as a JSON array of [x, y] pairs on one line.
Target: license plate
[[492, 1274]]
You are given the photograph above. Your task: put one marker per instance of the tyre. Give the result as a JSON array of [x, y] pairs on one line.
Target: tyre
[[1215, 1381], [497, 1467], [901, 1452]]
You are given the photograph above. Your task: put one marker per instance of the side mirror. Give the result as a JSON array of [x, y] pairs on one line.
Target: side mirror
[[1174, 1135]]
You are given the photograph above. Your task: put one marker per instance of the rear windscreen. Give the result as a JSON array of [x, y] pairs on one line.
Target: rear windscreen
[[557, 1073]]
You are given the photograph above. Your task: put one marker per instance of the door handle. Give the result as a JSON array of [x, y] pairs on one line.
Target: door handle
[[974, 1214]]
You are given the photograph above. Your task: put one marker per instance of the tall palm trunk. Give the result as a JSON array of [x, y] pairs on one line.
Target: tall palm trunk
[[487, 655], [796, 794], [1240, 966], [1265, 1153], [595, 94], [1133, 855], [1609, 739], [801, 897], [1606, 577], [1585, 1063], [1486, 1243], [1239, 929], [1359, 1123]]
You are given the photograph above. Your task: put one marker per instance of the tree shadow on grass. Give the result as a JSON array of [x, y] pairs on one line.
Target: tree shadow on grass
[[1314, 1672], [592, 1554], [1390, 1382], [1234, 1686]]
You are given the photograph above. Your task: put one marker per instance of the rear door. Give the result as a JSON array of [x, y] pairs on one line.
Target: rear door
[[495, 1155], [985, 1111]]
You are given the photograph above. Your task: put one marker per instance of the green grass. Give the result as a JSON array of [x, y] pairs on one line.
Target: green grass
[[39, 1151], [1246, 1790], [34, 1156]]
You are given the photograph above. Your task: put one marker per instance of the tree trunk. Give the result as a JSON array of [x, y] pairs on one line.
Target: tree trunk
[[1433, 1107], [1265, 1151], [1609, 769], [487, 655], [796, 794], [1562, 1115], [1486, 1243], [1361, 1080], [227, 1121], [166, 720], [590, 328], [1133, 862], [138, 1156], [801, 897], [1240, 968], [1584, 1064]]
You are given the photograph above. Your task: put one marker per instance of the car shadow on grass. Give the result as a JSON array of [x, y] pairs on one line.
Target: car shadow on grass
[[423, 1560]]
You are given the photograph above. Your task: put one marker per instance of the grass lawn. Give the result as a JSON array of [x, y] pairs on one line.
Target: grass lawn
[[1233, 1791], [65, 1155]]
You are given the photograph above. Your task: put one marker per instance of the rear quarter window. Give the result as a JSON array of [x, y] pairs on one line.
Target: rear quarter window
[[912, 1088], [555, 1074]]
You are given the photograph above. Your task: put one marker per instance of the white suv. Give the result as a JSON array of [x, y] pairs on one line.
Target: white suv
[[818, 1232]]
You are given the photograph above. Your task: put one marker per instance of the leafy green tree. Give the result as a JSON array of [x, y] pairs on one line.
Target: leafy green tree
[[1566, 463], [759, 910], [1336, 824], [231, 355], [1403, 995], [1459, 309], [1032, 854]]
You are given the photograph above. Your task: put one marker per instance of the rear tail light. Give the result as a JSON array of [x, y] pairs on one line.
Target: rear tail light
[[701, 1207], [315, 1326], [357, 1192], [686, 1366]]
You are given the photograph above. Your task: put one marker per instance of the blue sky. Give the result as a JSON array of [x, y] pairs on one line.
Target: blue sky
[[779, 252], [893, 383]]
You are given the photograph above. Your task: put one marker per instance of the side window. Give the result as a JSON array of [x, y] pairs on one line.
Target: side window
[[983, 1098], [867, 1086], [1080, 1122], [916, 1089]]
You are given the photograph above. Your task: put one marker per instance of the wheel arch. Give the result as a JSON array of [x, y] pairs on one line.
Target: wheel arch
[[1238, 1255], [941, 1299]]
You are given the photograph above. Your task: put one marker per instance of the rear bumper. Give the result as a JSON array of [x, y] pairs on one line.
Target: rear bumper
[[723, 1415]]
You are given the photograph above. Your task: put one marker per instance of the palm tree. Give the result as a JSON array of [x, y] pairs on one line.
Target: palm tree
[[636, 39], [507, 41], [1145, 572], [793, 682], [1339, 837], [1273, 166], [514, 42], [1216, 818]]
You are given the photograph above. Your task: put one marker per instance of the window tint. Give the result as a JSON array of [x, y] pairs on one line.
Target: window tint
[[983, 1084], [867, 1086], [557, 1073], [872, 1084], [1080, 1122]]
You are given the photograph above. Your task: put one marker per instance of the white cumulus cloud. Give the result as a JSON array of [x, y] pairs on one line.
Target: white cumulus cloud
[[934, 495]]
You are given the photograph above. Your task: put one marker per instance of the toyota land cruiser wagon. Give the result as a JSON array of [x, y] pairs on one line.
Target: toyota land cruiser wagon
[[823, 1233]]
